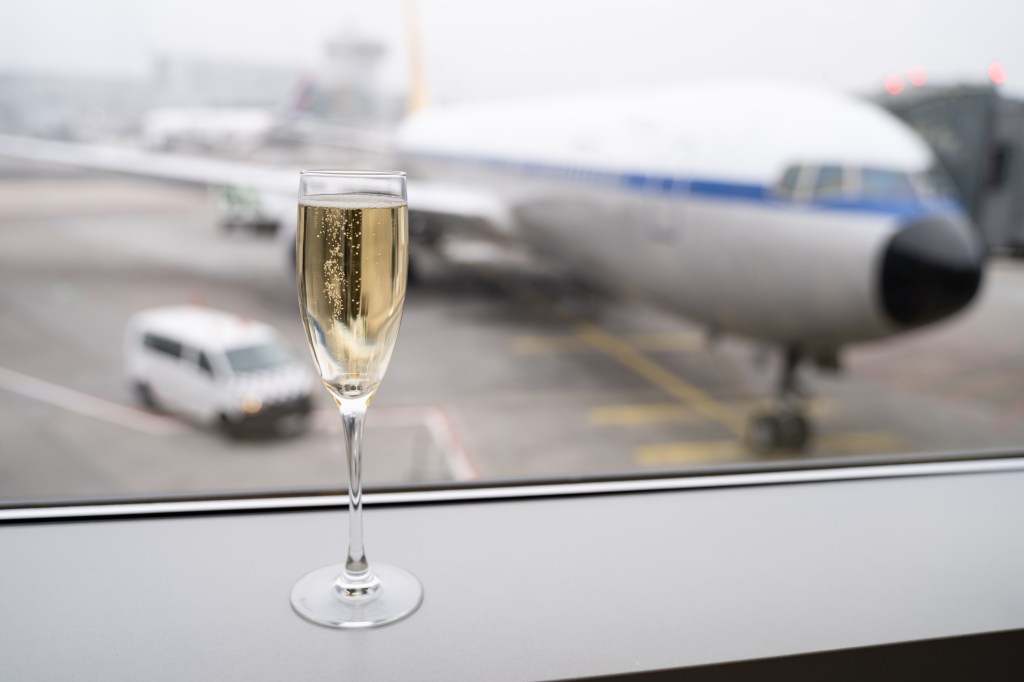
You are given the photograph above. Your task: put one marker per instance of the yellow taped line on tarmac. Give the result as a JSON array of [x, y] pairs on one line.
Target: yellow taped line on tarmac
[[629, 356], [860, 442], [668, 341], [690, 453], [643, 414], [639, 415], [857, 442], [690, 395]]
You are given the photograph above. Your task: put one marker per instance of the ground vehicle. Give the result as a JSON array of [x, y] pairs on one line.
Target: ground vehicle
[[216, 368]]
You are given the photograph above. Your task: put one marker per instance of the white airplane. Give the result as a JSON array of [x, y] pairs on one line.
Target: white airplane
[[228, 129], [784, 214], [236, 130]]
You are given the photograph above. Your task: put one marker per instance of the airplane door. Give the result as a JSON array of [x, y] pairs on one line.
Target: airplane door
[[662, 219], [660, 226], [666, 192]]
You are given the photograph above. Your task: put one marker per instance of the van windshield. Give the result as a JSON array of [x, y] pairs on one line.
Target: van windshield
[[253, 358]]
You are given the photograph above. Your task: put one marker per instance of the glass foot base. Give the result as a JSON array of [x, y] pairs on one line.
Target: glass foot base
[[315, 598]]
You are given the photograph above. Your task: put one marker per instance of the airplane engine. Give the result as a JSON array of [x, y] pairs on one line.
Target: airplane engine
[[932, 268]]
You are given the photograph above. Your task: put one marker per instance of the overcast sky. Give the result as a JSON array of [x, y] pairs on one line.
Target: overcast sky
[[475, 50]]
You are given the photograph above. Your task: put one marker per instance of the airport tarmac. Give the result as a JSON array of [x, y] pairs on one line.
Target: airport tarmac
[[494, 377]]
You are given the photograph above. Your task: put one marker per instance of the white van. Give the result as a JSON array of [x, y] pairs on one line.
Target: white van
[[216, 368]]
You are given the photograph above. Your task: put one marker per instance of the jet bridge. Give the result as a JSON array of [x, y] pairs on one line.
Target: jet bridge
[[978, 137]]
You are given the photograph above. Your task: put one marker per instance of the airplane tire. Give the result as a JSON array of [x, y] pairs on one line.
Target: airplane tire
[[144, 394], [229, 428], [794, 431], [782, 431], [762, 434]]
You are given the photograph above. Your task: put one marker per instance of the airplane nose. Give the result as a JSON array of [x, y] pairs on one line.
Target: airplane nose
[[931, 268]]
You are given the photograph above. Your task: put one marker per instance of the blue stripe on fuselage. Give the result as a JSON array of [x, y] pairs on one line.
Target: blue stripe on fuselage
[[704, 188]]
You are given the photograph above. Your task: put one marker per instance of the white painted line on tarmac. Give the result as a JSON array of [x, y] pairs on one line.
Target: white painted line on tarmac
[[437, 422], [91, 406]]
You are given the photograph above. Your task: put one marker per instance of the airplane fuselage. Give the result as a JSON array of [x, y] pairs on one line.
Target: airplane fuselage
[[665, 200]]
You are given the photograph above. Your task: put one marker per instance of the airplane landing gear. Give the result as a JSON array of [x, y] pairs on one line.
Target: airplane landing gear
[[784, 427]]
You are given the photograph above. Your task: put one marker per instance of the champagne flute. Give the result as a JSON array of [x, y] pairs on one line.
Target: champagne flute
[[352, 247]]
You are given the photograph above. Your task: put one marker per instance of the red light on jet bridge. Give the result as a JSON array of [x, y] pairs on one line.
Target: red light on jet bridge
[[997, 73], [894, 84], [917, 76]]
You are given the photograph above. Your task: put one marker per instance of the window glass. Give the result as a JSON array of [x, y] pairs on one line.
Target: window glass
[[829, 182], [936, 182], [1002, 158], [204, 364], [886, 184], [959, 124], [788, 183], [254, 358], [558, 310], [163, 345]]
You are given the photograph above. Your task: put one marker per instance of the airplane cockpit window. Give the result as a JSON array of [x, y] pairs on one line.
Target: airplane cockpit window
[[829, 182], [788, 184], [648, 256], [886, 184], [936, 182]]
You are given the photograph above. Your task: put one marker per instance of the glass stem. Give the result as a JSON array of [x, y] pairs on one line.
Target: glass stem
[[357, 568]]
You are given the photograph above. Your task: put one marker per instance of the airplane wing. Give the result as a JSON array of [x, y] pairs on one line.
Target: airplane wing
[[452, 209], [334, 135], [442, 208], [151, 164]]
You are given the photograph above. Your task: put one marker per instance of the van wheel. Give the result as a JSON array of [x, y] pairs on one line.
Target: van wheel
[[229, 428], [144, 394]]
